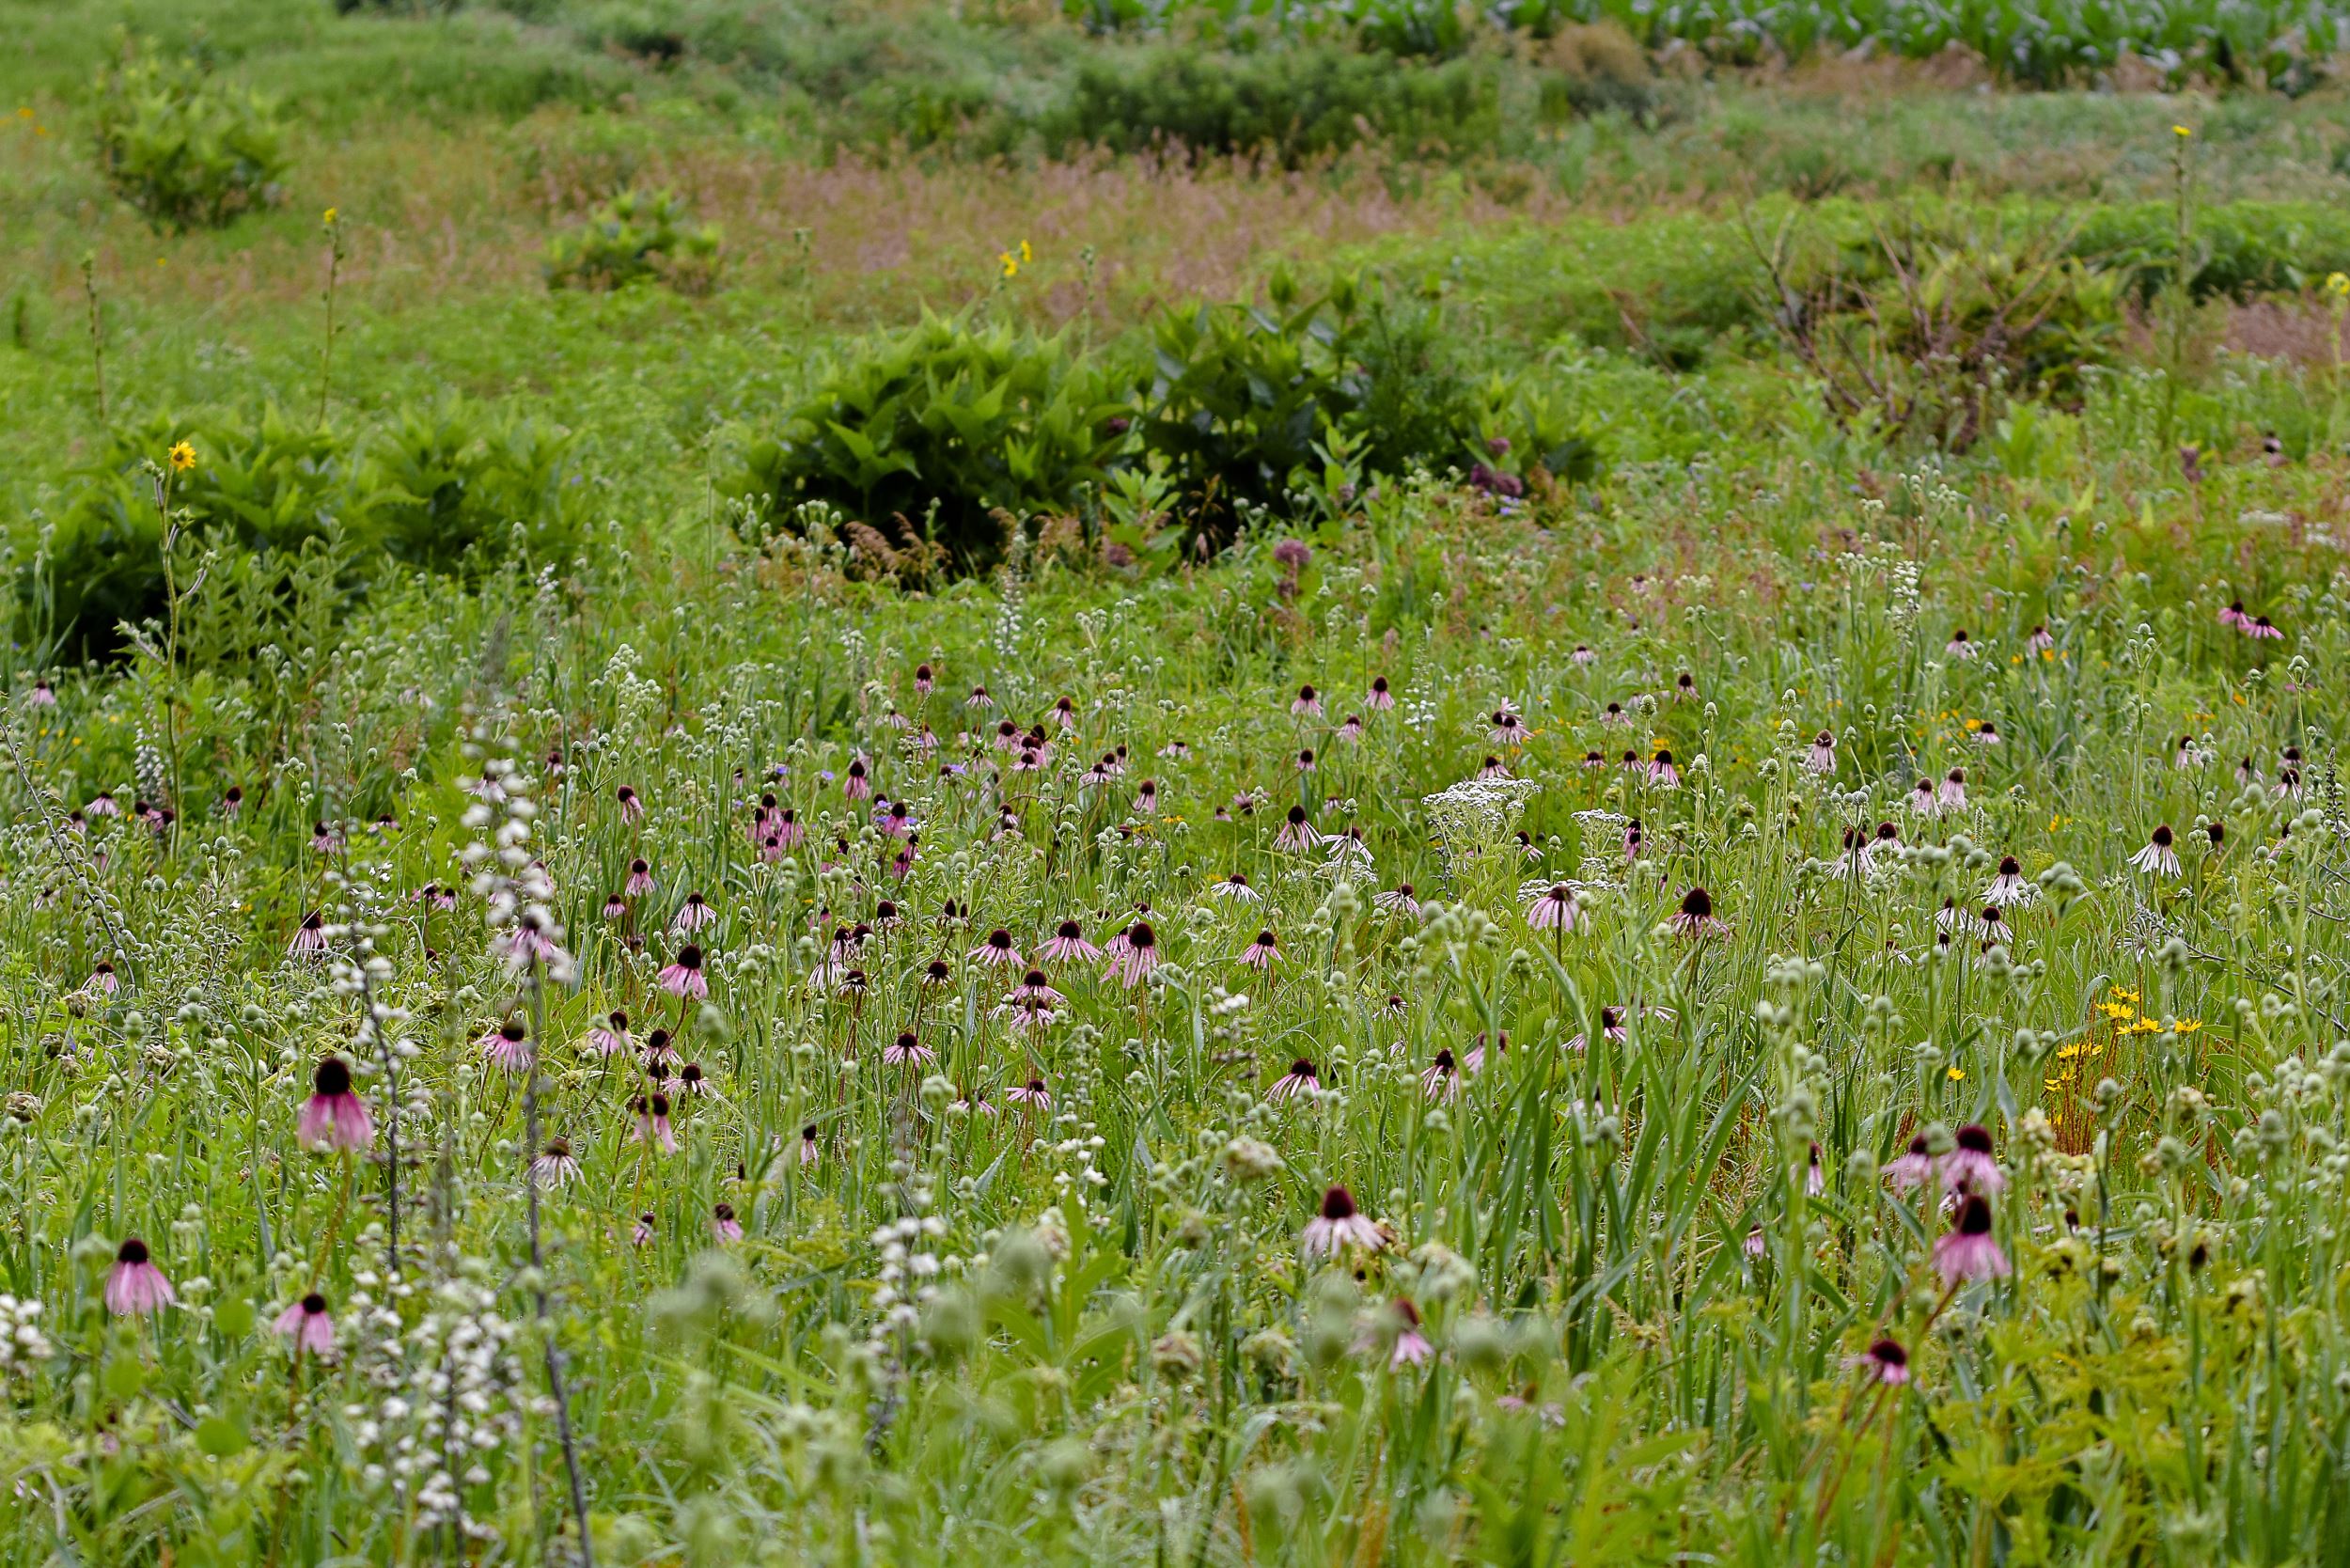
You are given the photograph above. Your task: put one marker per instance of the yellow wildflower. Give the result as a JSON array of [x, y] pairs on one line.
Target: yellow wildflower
[[2185, 1025], [2338, 283], [2180, 132], [329, 219], [1958, 1075], [183, 457], [1010, 263], [1025, 254]]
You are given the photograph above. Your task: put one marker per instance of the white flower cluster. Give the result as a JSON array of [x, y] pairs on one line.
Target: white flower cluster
[[22, 1346], [450, 1397], [510, 880]]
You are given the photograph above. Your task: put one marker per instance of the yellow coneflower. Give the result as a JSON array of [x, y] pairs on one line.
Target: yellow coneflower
[[182, 456], [2185, 1025]]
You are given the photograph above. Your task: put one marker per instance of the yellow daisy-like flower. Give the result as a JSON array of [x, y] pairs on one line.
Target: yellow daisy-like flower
[[183, 457], [1011, 263], [2119, 1011], [2338, 283], [1958, 1075], [329, 219], [2180, 132], [2185, 1025], [1025, 254], [2145, 1026], [2120, 994]]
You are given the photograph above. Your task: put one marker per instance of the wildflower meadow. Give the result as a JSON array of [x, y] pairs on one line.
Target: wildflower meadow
[[755, 820]]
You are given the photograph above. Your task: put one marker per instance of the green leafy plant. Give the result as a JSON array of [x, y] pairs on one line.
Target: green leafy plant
[[962, 417], [1241, 398], [458, 488], [636, 236], [183, 146]]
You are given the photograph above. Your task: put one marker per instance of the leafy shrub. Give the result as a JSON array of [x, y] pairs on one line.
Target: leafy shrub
[[455, 487], [954, 413], [1930, 326], [636, 236], [1295, 102], [2236, 249], [440, 489], [184, 147], [1242, 397], [1594, 69]]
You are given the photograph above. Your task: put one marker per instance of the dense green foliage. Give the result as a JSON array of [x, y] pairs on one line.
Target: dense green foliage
[[183, 146]]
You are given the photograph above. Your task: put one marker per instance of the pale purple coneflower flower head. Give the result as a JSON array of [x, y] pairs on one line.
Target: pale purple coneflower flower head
[[1967, 1250], [1138, 956], [507, 1046], [1971, 1167], [683, 977], [335, 1117], [1555, 909], [1068, 942], [1379, 699], [2158, 858], [1299, 1079], [134, 1284], [1264, 952], [1336, 1228], [307, 1325]]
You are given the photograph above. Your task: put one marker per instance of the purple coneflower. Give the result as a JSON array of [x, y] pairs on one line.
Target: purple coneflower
[[652, 1122], [333, 1117], [555, 1166], [1958, 647], [2040, 641], [507, 1046], [2157, 859], [641, 1234], [2260, 628], [724, 1227], [1661, 771], [1508, 730], [1913, 1168], [1696, 915], [1296, 832], [632, 806], [1299, 1079], [134, 1284], [1922, 800], [43, 695], [1412, 1348], [101, 805], [660, 1054], [683, 977], [856, 786], [103, 978], [997, 949], [1967, 1250], [1971, 1167], [1492, 770], [693, 914], [610, 1038], [1336, 1228], [811, 1150], [1033, 1092], [1068, 942], [1986, 733], [1233, 889], [1555, 910], [1400, 899], [692, 1081], [306, 1326], [309, 938], [1137, 954], [1308, 701], [1379, 699], [1887, 1363], [907, 1049], [1441, 1078], [1951, 797], [2009, 887], [1262, 952], [1822, 757], [1582, 656], [1685, 688]]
